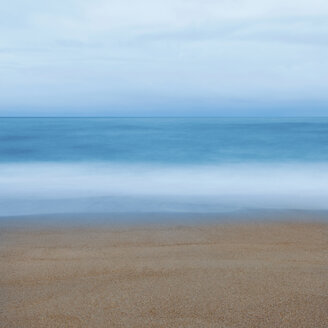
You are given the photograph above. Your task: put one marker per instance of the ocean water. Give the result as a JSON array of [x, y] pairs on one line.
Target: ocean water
[[175, 165]]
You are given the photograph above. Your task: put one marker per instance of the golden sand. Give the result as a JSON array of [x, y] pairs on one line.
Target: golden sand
[[243, 275]]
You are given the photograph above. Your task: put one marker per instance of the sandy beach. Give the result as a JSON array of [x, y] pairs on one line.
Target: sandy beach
[[223, 275]]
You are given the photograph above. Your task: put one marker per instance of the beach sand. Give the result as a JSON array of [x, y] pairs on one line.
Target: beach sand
[[223, 275]]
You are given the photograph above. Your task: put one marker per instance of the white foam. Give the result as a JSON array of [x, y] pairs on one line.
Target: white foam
[[297, 186]]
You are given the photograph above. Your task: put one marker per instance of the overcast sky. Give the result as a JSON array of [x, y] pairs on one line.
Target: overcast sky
[[164, 57]]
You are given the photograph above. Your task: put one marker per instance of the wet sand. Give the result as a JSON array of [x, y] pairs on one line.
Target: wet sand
[[240, 275]]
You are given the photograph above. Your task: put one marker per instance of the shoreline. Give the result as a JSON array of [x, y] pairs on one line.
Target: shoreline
[[169, 219]]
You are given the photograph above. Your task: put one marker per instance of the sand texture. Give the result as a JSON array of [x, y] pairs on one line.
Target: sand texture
[[242, 275]]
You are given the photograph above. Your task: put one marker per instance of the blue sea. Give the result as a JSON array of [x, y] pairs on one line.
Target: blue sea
[[162, 165]]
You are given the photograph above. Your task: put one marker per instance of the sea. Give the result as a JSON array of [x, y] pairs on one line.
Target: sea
[[162, 165]]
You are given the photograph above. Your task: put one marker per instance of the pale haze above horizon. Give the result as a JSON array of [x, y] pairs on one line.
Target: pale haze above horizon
[[163, 57]]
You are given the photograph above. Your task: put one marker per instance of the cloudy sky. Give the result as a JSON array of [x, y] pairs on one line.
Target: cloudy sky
[[164, 57]]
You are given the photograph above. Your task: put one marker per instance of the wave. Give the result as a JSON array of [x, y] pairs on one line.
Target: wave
[[30, 188]]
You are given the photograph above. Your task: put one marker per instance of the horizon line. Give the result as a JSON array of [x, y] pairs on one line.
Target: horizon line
[[172, 116]]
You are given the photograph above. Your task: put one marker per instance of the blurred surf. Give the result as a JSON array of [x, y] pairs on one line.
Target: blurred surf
[[162, 165]]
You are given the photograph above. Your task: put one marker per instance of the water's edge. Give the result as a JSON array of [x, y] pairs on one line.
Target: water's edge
[[85, 220]]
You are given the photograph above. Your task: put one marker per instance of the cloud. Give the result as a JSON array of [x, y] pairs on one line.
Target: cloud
[[115, 54]]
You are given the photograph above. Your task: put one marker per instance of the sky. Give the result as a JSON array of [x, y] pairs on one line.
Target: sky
[[163, 57]]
